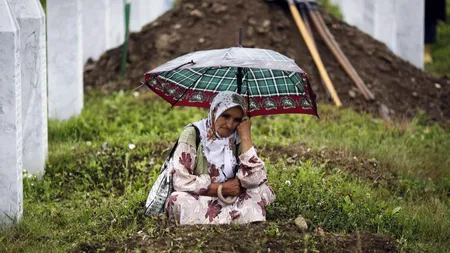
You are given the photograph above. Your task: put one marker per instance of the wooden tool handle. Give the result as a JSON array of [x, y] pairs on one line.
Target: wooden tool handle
[[310, 44]]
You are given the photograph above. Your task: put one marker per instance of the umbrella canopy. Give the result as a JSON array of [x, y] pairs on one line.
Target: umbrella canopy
[[271, 82]]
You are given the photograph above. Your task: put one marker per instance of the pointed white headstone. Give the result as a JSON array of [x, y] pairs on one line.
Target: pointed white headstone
[[136, 15], [385, 28], [65, 58], [353, 12], [31, 19], [117, 23], [97, 25], [11, 195], [410, 30], [157, 8], [368, 25]]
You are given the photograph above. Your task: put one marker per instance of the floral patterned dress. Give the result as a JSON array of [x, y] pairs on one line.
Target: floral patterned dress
[[193, 175]]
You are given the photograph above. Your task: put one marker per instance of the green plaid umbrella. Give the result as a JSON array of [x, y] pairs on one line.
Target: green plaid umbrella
[[271, 82]]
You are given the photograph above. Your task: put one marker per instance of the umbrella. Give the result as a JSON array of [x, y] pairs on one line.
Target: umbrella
[[271, 82]]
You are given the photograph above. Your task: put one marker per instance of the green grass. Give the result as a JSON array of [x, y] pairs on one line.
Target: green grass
[[441, 49], [95, 186]]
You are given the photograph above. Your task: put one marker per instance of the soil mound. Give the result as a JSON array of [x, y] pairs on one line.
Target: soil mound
[[400, 88]]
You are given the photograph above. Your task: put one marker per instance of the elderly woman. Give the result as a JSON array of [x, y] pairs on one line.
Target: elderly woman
[[223, 167]]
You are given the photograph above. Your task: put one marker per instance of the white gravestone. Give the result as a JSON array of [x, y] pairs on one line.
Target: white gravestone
[[141, 13], [65, 58], [136, 18], [157, 8], [96, 24], [353, 12], [31, 19], [11, 195], [117, 23], [410, 30], [368, 17], [169, 4], [385, 28], [397, 23]]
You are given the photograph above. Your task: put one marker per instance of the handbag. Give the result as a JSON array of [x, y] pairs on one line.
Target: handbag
[[163, 186]]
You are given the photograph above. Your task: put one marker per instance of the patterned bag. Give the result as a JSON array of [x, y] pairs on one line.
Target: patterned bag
[[163, 186]]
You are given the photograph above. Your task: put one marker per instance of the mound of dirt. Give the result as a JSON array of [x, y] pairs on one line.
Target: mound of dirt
[[284, 237], [400, 88]]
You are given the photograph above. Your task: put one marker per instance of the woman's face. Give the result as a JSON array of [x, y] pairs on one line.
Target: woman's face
[[227, 122]]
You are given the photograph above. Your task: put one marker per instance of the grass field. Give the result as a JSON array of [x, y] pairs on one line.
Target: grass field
[[345, 173]]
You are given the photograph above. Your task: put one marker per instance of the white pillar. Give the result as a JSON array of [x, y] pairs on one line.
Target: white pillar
[[11, 195], [31, 19], [136, 18], [97, 25], [142, 12], [368, 25], [353, 12], [117, 23], [385, 23], [157, 8], [410, 30], [65, 58], [169, 4]]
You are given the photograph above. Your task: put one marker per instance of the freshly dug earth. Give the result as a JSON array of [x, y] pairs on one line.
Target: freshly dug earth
[[280, 237], [400, 88]]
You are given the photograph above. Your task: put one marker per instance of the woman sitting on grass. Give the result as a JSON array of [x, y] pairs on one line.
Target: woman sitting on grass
[[224, 166]]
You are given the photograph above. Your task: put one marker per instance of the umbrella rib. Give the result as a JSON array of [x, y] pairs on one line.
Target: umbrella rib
[[194, 83], [248, 95]]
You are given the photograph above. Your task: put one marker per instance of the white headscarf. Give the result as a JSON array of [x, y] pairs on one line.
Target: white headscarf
[[219, 150]]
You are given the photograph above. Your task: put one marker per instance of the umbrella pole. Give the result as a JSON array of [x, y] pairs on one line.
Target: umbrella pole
[[239, 74], [309, 43]]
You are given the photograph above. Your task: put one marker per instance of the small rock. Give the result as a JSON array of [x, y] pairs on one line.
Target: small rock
[[250, 31], [437, 86], [301, 223], [320, 231], [176, 26], [218, 8], [196, 13], [201, 40], [188, 6], [206, 5], [266, 23], [415, 94], [252, 21], [352, 94], [384, 111]]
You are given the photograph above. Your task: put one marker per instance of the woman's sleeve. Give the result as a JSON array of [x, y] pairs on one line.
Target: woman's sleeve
[[183, 161], [252, 172]]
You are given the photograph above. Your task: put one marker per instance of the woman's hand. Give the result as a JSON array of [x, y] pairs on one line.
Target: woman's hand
[[244, 131], [231, 187]]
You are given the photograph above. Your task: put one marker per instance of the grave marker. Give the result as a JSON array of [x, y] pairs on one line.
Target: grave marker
[[11, 195], [96, 22], [31, 19], [65, 58]]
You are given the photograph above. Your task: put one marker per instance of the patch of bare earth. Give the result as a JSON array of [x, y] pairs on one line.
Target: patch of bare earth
[[250, 238]]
